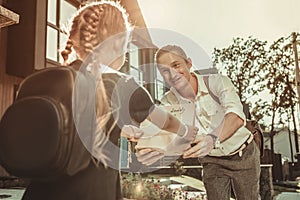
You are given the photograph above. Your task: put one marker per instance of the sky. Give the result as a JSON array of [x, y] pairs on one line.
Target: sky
[[201, 25], [214, 23]]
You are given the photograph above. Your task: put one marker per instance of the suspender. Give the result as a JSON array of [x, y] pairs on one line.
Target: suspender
[[205, 79]]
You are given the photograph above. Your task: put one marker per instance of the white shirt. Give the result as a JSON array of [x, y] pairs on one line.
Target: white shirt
[[210, 113]]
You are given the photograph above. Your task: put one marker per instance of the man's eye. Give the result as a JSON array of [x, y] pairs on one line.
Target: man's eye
[[176, 65]]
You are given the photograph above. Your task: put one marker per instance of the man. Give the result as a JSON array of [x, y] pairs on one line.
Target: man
[[226, 149]]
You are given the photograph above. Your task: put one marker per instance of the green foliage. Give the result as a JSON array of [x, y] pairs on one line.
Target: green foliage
[[280, 77], [254, 68], [241, 61], [179, 170], [135, 187]]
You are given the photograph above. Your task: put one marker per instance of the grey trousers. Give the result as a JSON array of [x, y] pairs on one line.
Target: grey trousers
[[239, 174]]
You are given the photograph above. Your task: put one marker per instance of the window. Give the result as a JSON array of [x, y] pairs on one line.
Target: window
[[58, 14], [134, 69], [159, 85]]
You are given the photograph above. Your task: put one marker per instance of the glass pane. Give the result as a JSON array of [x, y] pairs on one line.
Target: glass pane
[[66, 11], [124, 160], [158, 75], [134, 56], [137, 75], [132, 47], [159, 90], [52, 36], [52, 11], [62, 45], [134, 59]]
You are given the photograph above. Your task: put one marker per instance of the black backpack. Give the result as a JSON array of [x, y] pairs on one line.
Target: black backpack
[[38, 138]]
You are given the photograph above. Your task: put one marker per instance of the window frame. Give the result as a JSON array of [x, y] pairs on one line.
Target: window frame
[[50, 62], [159, 82]]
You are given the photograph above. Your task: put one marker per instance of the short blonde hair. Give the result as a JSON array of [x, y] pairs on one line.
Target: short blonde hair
[[177, 50]]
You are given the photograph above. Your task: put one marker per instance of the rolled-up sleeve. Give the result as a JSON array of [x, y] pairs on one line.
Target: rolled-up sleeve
[[222, 87]]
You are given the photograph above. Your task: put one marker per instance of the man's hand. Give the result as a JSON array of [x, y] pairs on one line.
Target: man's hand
[[133, 133], [181, 143], [148, 156], [204, 145]]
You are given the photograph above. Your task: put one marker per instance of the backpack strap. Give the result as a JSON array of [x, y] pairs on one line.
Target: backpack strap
[[171, 98], [205, 79]]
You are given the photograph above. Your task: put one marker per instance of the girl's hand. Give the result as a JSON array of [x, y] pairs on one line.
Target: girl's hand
[[131, 132], [148, 156]]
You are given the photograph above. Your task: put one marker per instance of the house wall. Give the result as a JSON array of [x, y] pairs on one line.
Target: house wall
[[282, 145], [6, 82]]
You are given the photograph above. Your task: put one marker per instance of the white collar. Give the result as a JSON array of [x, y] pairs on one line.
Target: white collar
[[178, 96]]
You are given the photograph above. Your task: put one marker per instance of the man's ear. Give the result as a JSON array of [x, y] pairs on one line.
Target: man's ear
[[189, 63]]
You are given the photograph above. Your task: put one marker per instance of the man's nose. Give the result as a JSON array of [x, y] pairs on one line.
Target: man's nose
[[173, 73]]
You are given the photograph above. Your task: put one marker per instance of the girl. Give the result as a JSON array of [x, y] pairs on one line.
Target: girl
[[99, 36]]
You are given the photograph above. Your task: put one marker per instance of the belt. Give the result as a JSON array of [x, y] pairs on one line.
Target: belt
[[243, 146]]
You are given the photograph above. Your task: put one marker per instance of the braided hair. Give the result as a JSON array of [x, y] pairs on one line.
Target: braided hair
[[92, 25]]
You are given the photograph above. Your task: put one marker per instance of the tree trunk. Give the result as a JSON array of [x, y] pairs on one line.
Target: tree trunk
[[295, 130], [290, 141], [272, 132]]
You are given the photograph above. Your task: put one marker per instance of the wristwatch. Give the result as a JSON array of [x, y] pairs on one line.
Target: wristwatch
[[216, 140]]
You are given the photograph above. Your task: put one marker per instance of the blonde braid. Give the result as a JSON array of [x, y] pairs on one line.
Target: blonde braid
[[68, 49], [93, 24]]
